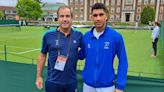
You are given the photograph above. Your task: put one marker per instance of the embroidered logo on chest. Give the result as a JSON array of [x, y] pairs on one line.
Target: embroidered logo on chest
[[106, 45], [89, 46], [74, 41], [56, 42]]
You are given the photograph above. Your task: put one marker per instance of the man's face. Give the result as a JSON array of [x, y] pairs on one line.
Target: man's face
[[99, 18], [64, 18]]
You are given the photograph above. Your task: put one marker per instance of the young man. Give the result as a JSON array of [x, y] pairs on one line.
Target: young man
[[100, 46], [62, 47], [155, 34]]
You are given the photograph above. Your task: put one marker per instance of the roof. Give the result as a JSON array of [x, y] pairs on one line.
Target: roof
[[7, 8], [52, 6]]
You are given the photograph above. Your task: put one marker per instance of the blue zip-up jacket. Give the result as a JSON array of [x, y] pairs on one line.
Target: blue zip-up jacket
[[100, 53]]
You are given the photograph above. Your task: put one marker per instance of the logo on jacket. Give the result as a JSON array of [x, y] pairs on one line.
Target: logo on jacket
[[74, 41], [56, 42], [106, 45], [89, 46]]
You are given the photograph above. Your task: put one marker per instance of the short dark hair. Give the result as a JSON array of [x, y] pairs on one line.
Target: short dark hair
[[63, 7], [158, 24], [100, 6]]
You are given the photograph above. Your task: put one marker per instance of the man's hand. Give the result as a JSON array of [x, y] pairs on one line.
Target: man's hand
[[117, 90], [39, 83]]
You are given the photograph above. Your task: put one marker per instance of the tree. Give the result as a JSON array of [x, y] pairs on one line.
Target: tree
[[1, 14], [148, 14], [39, 1], [29, 9]]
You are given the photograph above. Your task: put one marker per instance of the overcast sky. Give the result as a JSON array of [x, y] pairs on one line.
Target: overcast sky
[[13, 2]]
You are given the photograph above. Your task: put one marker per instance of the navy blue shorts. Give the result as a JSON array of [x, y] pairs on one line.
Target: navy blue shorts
[[51, 87]]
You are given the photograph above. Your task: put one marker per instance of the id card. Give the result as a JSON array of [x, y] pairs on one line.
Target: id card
[[60, 63]]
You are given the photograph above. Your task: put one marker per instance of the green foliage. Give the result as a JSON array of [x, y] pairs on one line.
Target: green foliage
[[38, 1], [29, 9], [1, 14], [148, 14]]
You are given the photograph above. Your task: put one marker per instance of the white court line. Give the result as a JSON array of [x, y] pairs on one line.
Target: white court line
[[28, 51], [9, 52], [21, 52], [16, 47]]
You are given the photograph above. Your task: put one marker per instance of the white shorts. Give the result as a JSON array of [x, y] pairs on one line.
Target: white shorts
[[87, 88]]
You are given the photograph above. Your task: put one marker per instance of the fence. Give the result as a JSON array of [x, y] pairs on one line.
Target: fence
[[11, 56], [162, 33], [14, 57], [10, 28]]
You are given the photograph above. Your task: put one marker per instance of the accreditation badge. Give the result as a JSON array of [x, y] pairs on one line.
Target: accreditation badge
[[60, 63]]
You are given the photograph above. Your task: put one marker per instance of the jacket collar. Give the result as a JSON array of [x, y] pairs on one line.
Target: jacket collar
[[91, 31]]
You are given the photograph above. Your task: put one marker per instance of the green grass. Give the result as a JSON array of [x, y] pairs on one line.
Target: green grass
[[138, 46]]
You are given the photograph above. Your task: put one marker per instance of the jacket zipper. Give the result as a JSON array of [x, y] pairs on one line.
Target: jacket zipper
[[96, 63]]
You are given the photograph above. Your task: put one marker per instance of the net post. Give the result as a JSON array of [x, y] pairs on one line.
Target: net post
[[5, 52]]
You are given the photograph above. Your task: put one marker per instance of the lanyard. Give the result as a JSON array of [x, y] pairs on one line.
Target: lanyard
[[69, 45]]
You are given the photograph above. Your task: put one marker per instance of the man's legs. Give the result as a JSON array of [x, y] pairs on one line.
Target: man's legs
[[87, 88], [70, 88], [51, 87], [106, 89], [155, 46]]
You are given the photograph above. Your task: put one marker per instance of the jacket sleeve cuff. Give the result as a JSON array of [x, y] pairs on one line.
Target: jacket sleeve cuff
[[120, 87]]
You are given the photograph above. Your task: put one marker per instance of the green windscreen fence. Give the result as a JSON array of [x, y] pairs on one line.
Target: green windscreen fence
[[162, 33], [3, 22], [17, 77]]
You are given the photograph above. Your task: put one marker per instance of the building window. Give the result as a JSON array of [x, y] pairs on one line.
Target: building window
[[71, 1], [76, 10], [81, 10], [112, 10], [152, 2], [76, 1], [139, 2], [112, 17], [7, 12], [129, 1], [161, 17], [145, 2], [118, 2], [81, 1], [118, 9], [107, 2], [138, 17], [14, 12], [117, 17], [162, 1], [128, 7], [112, 2], [81, 18], [161, 9], [91, 2], [138, 9]]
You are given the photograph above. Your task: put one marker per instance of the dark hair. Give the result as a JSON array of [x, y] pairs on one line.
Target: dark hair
[[158, 24], [100, 6], [63, 7]]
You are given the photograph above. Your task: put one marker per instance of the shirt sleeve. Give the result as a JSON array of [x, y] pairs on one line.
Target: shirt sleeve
[[155, 32], [81, 55], [44, 48], [123, 64]]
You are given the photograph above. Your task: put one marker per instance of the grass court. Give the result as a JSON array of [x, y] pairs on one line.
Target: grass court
[[24, 47]]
